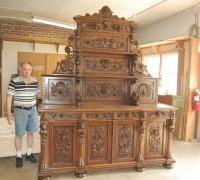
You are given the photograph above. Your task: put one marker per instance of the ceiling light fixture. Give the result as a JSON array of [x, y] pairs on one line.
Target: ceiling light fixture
[[54, 23]]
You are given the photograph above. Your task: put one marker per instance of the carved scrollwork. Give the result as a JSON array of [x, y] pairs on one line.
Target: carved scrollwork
[[60, 90], [137, 68], [128, 114], [105, 12], [103, 90], [125, 140], [99, 115], [104, 65], [158, 114], [98, 141], [63, 116], [66, 66]]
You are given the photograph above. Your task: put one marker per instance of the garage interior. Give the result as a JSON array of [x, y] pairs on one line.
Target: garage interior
[[44, 45]]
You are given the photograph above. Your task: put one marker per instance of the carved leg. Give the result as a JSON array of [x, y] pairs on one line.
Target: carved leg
[[140, 166], [171, 126], [168, 166], [81, 170], [80, 174], [44, 177], [139, 169]]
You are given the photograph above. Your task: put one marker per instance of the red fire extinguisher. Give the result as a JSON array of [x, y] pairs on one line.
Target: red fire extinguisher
[[195, 103]]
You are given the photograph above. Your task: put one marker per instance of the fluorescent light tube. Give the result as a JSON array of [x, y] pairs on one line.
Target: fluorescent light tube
[[54, 23]]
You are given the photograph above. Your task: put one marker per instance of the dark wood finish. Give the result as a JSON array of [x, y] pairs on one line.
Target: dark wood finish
[[100, 106]]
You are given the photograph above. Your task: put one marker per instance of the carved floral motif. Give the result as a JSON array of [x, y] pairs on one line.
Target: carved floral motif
[[103, 90], [155, 138], [104, 65], [105, 43], [125, 140], [62, 144], [98, 141], [106, 25]]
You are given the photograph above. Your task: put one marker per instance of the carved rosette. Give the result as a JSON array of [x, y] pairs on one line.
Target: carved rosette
[[98, 141], [125, 141]]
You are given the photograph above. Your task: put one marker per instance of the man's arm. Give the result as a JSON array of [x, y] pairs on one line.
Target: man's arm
[[8, 108], [38, 95]]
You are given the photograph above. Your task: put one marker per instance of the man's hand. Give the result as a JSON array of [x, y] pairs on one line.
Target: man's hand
[[9, 118]]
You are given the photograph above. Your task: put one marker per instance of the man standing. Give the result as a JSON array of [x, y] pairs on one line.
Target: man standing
[[24, 90]]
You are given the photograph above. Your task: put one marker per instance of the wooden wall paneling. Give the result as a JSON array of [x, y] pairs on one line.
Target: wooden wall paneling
[[51, 61]]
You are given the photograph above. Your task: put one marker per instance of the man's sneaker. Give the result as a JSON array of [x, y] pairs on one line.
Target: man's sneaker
[[19, 162], [31, 158]]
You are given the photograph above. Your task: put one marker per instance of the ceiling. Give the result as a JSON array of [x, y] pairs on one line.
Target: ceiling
[[143, 12]]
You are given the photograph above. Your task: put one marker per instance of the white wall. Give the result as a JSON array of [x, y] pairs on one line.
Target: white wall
[[10, 59], [172, 27]]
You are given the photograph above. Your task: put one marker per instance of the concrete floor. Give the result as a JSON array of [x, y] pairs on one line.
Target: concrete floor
[[187, 166]]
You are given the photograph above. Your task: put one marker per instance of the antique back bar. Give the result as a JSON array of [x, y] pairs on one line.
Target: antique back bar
[[99, 108]]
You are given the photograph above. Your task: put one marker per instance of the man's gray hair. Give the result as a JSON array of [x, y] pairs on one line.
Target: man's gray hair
[[21, 64]]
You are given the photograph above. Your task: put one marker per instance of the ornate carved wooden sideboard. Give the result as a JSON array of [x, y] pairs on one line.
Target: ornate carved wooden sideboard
[[99, 108]]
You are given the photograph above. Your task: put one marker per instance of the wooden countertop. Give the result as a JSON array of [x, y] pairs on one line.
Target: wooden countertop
[[104, 107]]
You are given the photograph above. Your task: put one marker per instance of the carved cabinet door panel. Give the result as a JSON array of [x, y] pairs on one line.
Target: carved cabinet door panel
[[146, 90], [124, 141], [62, 151], [155, 139], [99, 142]]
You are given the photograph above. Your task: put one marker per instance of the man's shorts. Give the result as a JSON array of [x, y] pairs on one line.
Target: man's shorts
[[25, 120]]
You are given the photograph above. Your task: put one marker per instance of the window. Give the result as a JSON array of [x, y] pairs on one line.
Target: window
[[166, 68]]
